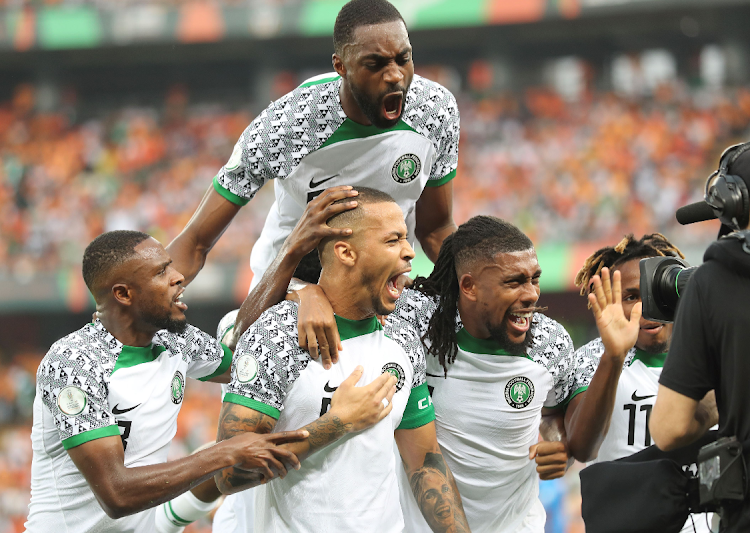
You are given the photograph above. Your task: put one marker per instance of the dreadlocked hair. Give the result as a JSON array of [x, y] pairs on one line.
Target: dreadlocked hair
[[653, 245], [479, 239]]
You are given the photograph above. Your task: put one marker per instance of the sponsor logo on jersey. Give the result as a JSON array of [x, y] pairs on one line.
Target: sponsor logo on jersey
[[177, 388], [406, 168], [398, 373], [247, 368], [236, 158], [72, 401], [519, 392]]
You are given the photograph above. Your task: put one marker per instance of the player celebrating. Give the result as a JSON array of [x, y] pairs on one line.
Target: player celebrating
[[497, 366], [638, 384], [350, 485], [373, 123]]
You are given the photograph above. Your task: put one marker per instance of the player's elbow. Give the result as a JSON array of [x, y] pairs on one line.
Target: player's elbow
[[666, 434], [116, 506], [583, 452]]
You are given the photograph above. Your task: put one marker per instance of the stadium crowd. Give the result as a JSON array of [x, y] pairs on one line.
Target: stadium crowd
[[561, 171]]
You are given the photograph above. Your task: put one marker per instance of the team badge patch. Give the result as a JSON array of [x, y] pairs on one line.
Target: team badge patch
[[247, 368], [519, 392], [406, 168], [235, 159], [72, 401], [178, 388], [398, 373]]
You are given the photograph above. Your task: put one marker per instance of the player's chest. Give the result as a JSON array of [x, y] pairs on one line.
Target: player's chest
[[397, 163], [488, 391], [146, 398], [310, 396], [636, 395]]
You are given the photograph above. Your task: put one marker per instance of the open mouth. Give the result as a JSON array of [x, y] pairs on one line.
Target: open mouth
[[392, 105], [443, 511], [652, 328], [395, 285], [177, 301], [520, 321]]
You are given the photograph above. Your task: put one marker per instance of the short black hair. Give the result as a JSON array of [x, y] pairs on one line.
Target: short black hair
[[107, 251], [361, 13], [366, 195], [309, 268]]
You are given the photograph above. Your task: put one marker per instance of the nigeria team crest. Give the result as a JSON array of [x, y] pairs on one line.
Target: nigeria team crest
[[519, 392], [398, 373], [177, 388], [406, 168]]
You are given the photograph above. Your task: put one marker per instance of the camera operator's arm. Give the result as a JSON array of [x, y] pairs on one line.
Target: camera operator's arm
[[589, 414], [689, 373]]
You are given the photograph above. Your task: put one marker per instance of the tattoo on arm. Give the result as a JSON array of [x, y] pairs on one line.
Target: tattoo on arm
[[436, 493], [324, 431]]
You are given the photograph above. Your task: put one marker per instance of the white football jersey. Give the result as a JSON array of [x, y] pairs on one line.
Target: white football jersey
[[350, 485], [636, 394], [89, 386], [488, 408], [305, 141]]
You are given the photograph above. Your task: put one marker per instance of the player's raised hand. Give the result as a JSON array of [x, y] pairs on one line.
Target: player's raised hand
[[362, 407], [312, 226], [260, 455], [618, 332], [316, 326], [552, 459]]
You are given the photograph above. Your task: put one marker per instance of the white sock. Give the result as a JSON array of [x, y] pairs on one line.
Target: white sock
[[173, 516]]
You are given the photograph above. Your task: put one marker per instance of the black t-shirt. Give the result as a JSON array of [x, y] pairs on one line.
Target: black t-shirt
[[711, 343]]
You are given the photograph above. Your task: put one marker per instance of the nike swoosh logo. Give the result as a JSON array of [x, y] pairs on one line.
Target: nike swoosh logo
[[329, 389], [116, 411], [637, 398], [313, 184]]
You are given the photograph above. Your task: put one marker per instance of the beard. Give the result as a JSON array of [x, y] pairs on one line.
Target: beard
[[371, 107], [162, 320], [656, 347], [499, 334]]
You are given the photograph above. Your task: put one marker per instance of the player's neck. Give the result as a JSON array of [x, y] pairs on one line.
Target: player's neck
[[471, 318], [125, 329], [350, 106], [347, 299]]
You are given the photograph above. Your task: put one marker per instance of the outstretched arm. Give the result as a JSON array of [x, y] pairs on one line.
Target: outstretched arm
[[434, 217], [589, 414], [431, 480], [353, 409], [190, 248]]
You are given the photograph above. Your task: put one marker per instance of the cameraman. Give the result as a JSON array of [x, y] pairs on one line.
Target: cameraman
[[711, 342]]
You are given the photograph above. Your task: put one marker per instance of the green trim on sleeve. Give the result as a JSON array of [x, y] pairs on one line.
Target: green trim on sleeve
[[237, 200], [255, 405], [442, 181], [92, 434], [226, 362], [419, 409], [572, 395]]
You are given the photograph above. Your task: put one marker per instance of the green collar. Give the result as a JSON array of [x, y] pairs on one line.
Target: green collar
[[351, 130], [135, 355], [471, 344], [653, 360], [348, 329]]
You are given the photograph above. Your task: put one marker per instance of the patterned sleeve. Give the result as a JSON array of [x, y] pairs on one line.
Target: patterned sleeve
[[72, 386], [404, 333], [414, 308], [206, 357], [436, 115], [267, 361], [552, 346], [587, 359]]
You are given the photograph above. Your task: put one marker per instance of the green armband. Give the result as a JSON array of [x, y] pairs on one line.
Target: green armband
[[419, 409]]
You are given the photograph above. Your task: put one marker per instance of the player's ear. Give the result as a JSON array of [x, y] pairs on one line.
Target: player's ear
[[122, 294], [338, 65], [344, 252], [467, 285]]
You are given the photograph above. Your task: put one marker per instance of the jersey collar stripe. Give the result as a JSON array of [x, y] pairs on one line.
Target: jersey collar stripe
[[652, 360], [350, 130], [321, 81], [86, 436], [481, 346], [348, 329], [134, 355]]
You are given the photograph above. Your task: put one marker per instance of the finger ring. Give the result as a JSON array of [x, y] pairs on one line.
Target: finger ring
[[384, 401]]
